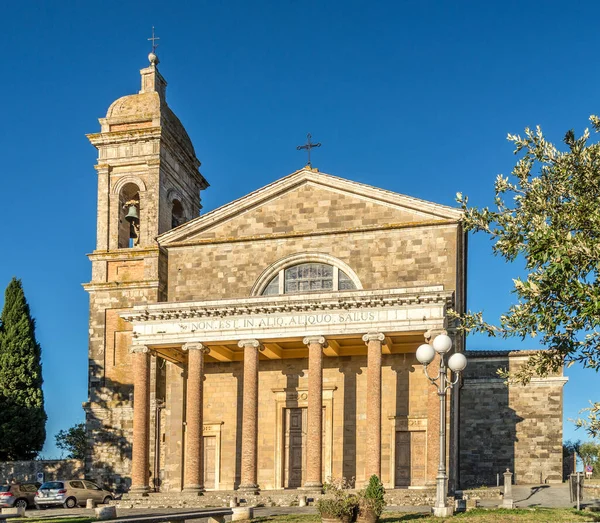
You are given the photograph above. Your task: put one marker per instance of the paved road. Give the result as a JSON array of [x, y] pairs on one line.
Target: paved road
[[524, 496]]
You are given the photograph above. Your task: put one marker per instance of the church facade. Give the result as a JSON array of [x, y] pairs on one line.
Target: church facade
[[269, 344]]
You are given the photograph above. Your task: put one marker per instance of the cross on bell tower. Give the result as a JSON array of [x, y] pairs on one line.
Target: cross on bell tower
[[153, 39]]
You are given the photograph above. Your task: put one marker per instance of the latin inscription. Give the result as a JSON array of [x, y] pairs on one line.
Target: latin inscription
[[300, 320]]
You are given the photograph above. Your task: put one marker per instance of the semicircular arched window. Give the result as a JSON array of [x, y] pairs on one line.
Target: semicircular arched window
[[309, 277]]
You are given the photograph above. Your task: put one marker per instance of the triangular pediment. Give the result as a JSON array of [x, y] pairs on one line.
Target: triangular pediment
[[305, 202]]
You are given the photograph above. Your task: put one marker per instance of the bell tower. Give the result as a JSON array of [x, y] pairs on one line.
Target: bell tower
[[148, 183]]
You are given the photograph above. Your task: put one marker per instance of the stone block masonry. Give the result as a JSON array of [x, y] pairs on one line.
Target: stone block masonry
[[26, 471], [526, 436]]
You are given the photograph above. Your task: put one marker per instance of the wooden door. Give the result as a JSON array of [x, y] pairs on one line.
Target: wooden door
[[402, 458], [410, 458], [210, 447], [294, 447], [417, 457]]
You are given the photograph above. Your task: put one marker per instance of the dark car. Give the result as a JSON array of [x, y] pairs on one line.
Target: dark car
[[17, 495]]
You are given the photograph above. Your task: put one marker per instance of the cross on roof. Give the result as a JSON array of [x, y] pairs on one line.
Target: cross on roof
[[308, 146], [154, 38]]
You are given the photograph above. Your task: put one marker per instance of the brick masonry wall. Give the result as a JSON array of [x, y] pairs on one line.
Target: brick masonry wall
[[509, 426], [404, 393], [25, 471]]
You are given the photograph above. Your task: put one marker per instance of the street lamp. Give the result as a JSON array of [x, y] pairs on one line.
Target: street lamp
[[457, 363]]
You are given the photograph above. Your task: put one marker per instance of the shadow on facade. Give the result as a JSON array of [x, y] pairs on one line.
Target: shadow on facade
[[486, 449], [350, 373], [109, 427]]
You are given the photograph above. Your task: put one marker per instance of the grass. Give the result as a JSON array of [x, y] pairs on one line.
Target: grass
[[536, 515]]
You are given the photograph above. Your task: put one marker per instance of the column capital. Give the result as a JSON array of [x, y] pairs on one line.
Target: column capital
[[374, 336], [250, 343], [315, 339], [432, 333], [134, 349], [195, 345]]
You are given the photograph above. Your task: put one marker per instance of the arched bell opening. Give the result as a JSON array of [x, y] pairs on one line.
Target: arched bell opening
[[177, 214], [129, 216]]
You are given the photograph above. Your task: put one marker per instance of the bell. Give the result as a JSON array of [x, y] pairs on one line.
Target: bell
[[132, 215]]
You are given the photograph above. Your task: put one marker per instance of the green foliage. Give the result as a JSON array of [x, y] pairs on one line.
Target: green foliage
[[337, 501], [22, 414], [547, 215], [570, 448], [372, 498], [589, 452], [73, 440]]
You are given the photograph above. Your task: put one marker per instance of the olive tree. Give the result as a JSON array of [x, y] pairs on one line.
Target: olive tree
[[547, 215]]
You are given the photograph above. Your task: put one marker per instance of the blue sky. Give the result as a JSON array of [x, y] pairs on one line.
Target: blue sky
[[412, 96]]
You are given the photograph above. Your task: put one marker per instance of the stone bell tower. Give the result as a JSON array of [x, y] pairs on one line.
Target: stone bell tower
[[148, 183]]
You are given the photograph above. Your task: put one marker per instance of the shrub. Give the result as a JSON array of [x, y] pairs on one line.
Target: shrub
[[337, 501], [372, 498]]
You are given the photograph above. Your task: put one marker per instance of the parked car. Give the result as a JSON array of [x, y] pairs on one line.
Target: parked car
[[18, 495], [70, 493]]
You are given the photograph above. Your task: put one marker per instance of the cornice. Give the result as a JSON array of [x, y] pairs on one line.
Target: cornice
[[486, 354], [125, 254], [120, 285], [297, 303], [114, 137]]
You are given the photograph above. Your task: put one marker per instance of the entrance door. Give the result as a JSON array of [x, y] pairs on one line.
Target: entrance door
[[410, 458], [210, 447], [294, 447]]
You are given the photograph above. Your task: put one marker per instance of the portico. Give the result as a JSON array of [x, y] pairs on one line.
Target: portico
[[300, 421]]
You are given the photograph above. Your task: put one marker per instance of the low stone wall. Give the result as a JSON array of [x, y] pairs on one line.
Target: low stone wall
[[591, 490], [482, 493], [53, 469]]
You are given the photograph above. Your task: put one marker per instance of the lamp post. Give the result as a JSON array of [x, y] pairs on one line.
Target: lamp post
[[457, 363]]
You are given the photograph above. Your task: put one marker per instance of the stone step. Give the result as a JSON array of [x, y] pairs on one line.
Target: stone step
[[268, 498]]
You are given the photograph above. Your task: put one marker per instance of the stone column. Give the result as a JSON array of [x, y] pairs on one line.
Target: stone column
[[314, 433], [194, 419], [373, 443], [248, 480], [140, 461]]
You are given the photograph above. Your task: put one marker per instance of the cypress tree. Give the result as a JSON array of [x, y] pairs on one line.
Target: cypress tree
[[22, 414]]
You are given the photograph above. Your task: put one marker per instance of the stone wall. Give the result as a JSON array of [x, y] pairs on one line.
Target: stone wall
[[512, 426], [25, 471], [388, 258]]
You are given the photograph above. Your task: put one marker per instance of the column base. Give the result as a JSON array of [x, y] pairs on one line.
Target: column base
[[139, 491], [193, 489], [249, 489], [442, 512], [312, 486]]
